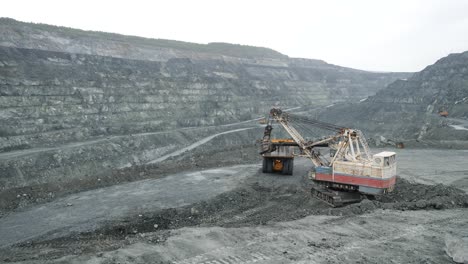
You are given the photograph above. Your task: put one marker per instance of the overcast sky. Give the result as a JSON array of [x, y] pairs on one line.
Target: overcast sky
[[393, 35]]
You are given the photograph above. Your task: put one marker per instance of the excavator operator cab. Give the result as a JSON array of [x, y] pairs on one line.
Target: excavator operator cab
[[384, 159]]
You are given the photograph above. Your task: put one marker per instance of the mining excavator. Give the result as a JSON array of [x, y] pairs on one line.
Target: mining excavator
[[349, 174]]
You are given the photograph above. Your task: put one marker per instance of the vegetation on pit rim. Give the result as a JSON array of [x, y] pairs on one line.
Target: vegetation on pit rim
[[235, 50]]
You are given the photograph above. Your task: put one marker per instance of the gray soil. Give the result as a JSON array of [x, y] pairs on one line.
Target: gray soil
[[232, 215]]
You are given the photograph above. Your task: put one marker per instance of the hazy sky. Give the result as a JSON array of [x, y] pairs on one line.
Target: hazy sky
[[393, 35]]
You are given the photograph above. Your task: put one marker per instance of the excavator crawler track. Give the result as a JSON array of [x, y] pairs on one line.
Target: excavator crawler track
[[335, 198]]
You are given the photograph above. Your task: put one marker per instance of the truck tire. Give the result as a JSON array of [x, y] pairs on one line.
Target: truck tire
[[269, 167], [288, 167], [285, 169], [291, 167]]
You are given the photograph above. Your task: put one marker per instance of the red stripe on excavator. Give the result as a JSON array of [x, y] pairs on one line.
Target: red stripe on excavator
[[354, 180]]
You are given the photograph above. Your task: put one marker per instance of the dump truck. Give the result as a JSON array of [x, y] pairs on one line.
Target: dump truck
[[280, 158]]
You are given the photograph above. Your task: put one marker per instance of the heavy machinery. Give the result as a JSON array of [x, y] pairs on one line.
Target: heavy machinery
[[280, 158], [346, 176], [443, 113]]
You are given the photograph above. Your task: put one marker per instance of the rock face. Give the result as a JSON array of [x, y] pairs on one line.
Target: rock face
[[74, 96], [63, 90], [457, 248], [150, 84], [409, 110]]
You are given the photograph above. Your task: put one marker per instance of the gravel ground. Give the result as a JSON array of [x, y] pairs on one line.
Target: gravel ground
[[262, 218]]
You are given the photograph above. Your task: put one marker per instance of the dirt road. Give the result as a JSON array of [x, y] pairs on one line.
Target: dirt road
[[197, 144], [26, 152], [462, 124], [88, 210]]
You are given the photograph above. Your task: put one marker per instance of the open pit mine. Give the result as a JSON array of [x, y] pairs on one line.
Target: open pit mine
[[122, 149]]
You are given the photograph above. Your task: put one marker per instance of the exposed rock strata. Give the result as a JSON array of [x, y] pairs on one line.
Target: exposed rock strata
[[64, 91], [408, 110]]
